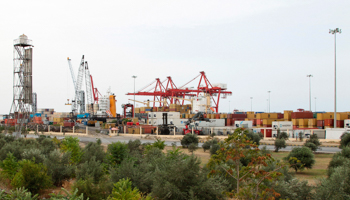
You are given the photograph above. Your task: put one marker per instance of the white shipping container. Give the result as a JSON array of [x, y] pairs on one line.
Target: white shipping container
[[159, 115], [244, 124], [347, 124], [334, 133], [212, 123], [282, 125]]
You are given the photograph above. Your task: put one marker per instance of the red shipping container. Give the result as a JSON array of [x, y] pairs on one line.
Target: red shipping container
[[295, 127], [268, 132], [259, 121], [217, 116], [340, 123], [229, 122], [205, 115], [267, 125], [229, 116], [280, 116], [239, 116], [302, 115], [329, 122], [254, 122], [320, 123]]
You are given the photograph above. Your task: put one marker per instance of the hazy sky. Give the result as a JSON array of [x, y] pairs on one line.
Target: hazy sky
[[252, 46]]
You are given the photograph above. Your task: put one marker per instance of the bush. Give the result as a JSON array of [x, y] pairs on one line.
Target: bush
[[159, 144], [91, 168], [58, 167], [313, 142], [33, 154], [214, 148], [294, 189], [282, 135], [189, 139], [135, 146], [279, 144], [47, 146], [67, 195], [192, 147], [116, 153], [337, 186], [123, 190], [255, 137], [9, 166], [92, 190], [71, 144], [344, 140], [300, 158], [93, 149], [18, 194], [31, 176], [207, 145], [15, 147]]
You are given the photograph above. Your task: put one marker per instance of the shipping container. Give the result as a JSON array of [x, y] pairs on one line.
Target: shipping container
[[302, 115], [329, 122], [244, 124], [282, 125]]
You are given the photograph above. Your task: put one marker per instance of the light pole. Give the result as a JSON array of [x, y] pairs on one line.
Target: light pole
[[251, 103], [269, 99], [309, 76], [315, 105], [133, 114], [334, 31], [229, 106]]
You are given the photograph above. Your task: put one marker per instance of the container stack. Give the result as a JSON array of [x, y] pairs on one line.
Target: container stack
[[301, 118]]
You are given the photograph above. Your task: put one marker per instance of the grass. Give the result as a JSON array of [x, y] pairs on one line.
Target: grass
[[319, 169]]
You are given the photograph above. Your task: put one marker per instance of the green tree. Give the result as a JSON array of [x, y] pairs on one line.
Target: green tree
[[313, 142], [300, 158], [189, 139], [31, 176], [282, 135], [116, 153], [279, 144], [71, 144], [344, 140], [123, 190], [248, 179], [9, 166]]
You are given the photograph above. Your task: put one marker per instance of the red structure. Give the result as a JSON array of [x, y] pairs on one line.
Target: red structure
[[166, 93], [95, 92]]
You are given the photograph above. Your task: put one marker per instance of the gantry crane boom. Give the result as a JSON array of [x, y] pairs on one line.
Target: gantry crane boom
[[74, 106], [88, 84]]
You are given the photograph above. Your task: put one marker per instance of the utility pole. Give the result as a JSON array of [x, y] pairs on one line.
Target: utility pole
[[334, 31], [133, 114], [309, 76]]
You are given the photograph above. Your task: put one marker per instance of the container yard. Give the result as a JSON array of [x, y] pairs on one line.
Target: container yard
[[172, 110]]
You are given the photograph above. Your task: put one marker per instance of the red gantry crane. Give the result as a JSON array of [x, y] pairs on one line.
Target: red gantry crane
[[170, 91]]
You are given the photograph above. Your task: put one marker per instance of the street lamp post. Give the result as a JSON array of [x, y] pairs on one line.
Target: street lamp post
[[133, 114], [251, 103], [315, 105], [269, 99], [229, 106], [334, 31], [309, 76]]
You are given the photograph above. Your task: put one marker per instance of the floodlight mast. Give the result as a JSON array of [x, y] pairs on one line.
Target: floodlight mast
[[334, 32]]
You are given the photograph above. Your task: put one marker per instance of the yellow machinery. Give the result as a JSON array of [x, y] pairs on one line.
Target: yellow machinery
[[112, 106]]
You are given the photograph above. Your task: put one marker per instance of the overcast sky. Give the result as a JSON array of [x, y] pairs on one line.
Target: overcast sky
[[252, 46]]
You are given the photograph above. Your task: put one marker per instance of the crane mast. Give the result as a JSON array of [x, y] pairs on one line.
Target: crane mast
[[89, 99], [79, 94], [74, 104]]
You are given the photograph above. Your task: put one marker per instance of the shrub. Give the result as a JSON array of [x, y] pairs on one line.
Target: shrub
[[47, 145], [15, 147], [344, 140], [67, 195], [300, 158], [294, 189], [31, 176], [313, 142], [33, 154], [159, 144], [255, 137], [18, 194], [91, 168], [71, 144], [93, 149], [282, 135], [58, 167], [123, 190], [116, 152], [279, 144], [192, 147], [337, 186], [214, 148], [135, 146], [9, 166], [92, 190], [207, 145], [189, 139]]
